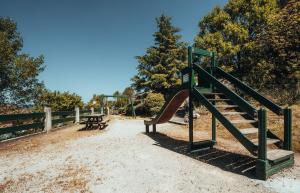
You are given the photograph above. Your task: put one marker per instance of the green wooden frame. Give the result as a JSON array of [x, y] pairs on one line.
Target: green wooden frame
[[264, 168], [127, 97]]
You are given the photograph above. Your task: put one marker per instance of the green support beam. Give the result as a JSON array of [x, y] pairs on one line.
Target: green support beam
[[287, 142]]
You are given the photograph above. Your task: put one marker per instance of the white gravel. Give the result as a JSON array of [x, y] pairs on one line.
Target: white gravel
[[122, 159]]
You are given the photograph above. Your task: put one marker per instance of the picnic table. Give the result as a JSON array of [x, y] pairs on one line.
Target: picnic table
[[95, 119]]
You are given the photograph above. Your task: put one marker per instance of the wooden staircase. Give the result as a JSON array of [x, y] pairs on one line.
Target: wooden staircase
[[217, 91], [248, 128]]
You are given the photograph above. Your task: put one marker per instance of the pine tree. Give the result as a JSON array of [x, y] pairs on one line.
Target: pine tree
[[158, 69]]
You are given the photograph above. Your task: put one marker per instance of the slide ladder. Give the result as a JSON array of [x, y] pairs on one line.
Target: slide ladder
[[217, 91]]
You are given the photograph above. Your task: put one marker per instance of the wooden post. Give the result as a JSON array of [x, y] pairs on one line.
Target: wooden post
[[213, 121], [147, 128], [92, 110], [48, 119], [287, 143], [262, 135], [191, 85], [77, 115], [154, 128], [261, 162]]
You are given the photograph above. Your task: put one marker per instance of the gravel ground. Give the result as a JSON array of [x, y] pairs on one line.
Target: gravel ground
[[121, 158]]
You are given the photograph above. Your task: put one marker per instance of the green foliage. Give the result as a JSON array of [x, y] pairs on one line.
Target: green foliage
[[129, 91], [232, 32], [159, 68], [99, 101], [258, 41], [119, 101], [58, 101], [18, 72], [280, 56], [153, 103]]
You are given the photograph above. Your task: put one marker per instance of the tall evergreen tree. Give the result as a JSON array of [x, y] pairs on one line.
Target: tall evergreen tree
[[158, 69]]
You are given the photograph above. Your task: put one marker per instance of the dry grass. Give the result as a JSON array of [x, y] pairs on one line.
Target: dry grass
[[296, 127], [35, 143]]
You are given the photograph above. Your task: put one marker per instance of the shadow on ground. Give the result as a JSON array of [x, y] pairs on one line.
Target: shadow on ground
[[228, 161]]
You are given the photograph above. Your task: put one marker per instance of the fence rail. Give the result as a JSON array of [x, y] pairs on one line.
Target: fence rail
[[62, 120], [16, 128], [14, 124], [23, 116], [21, 122], [63, 113]]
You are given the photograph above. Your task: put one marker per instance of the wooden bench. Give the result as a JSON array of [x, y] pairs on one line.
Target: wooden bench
[[104, 123], [94, 119]]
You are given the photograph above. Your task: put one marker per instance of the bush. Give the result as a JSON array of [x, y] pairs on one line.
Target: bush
[[58, 101], [153, 103]]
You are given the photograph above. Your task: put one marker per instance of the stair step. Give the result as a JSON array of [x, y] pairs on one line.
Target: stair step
[[213, 93], [248, 131], [226, 106], [269, 141], [219, 99], [237, 121], [277, 155], [233, 113]]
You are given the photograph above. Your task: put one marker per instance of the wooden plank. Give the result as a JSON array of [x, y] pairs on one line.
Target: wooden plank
[[278, 155], [57, 113], [247, 131], [202, 52], [21, 127], [94, 115], [63, 120], [269, 141], [238, 121], [212, 93], [233, 113], [226, 106], [22, 116], [219, 99]]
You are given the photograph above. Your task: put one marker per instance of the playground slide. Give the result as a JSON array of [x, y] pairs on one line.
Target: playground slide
[[169, 108]]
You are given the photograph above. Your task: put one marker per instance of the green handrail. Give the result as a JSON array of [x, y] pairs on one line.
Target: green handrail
[[261, 99], [244, 105]]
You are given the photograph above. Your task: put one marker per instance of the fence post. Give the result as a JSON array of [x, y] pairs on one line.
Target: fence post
[[77, 115], [261, 162], [287, 142], [48, 119], [92, 110]]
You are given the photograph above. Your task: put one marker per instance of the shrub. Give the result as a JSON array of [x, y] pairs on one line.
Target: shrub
[[153, 103]]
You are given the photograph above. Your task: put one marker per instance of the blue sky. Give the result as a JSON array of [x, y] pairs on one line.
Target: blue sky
[[89, 45]]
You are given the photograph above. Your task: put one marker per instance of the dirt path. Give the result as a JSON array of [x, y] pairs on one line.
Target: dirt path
[[122, 158]]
